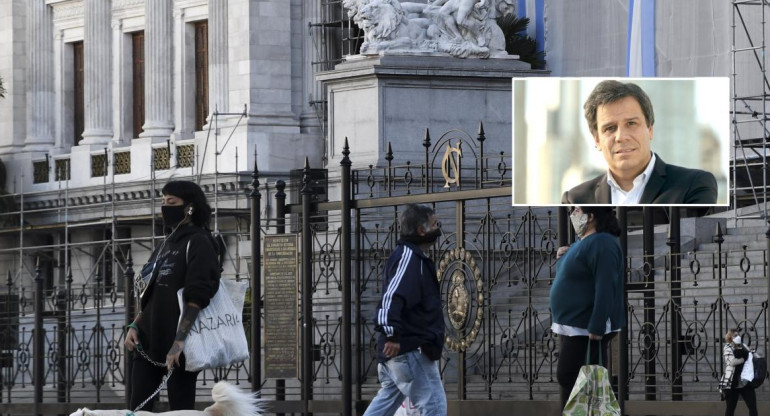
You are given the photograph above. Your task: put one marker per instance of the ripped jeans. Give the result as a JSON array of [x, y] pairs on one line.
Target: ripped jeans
[[410, 375]]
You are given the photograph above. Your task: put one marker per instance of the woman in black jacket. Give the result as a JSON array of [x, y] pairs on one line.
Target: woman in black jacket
[[735, 355], [187, 260]]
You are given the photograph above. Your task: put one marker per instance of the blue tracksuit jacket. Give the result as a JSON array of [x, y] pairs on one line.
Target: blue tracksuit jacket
[[410, 311]]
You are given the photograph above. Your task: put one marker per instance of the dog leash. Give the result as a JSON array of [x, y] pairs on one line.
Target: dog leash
[[162, 382]]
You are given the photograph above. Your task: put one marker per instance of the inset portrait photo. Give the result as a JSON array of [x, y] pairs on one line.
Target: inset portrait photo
[[621, 141]]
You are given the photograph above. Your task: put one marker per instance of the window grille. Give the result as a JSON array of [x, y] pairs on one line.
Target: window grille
[[40, 171], [122, 163], [185, 155]]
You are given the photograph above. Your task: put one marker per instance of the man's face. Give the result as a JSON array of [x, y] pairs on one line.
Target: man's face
[[432, 226], [623, 137]]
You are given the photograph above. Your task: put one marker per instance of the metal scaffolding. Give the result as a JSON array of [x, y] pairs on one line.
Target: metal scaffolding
[[55, 214], [69, 255], [749, 116]]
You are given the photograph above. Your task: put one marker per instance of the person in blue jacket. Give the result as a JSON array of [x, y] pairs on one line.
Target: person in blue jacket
[[410, 321], [587, 302]]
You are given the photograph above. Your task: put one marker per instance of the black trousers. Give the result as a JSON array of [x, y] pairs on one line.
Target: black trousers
[[572, 356], [749, 396], [145, 379]]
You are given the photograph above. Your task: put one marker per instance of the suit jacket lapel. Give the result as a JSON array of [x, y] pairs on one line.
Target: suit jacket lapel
[[654, 185], [602, 191]]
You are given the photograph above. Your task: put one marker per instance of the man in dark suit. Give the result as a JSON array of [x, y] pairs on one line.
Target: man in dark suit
[[621, 119]]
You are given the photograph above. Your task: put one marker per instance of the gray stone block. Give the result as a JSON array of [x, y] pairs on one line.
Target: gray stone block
[[395, 98]]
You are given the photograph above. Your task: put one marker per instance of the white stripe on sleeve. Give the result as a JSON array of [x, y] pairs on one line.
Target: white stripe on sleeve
[[387, 298]]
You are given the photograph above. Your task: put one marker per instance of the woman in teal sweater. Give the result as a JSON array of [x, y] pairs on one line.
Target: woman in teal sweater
[[587, 293]]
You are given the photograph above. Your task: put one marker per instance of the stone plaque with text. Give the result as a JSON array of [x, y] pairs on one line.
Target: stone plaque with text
[[281, 271]]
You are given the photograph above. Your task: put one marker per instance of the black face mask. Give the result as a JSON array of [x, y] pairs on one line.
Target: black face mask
[[428, 238], [172, 215], [432, 236]]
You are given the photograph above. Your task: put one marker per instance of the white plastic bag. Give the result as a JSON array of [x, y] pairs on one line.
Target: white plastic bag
[[747, 374], [217, 338], [407, 409]]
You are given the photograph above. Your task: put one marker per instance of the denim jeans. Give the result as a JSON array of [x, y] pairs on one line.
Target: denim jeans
[[410, 375]]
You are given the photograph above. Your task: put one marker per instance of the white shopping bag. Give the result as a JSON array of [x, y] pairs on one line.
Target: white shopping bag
[[407, 409], [217, 338], [747, 374]]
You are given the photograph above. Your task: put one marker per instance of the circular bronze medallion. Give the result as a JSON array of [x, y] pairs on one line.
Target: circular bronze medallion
[[460, 279]]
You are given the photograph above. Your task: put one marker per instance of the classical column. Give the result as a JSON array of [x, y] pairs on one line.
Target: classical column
[[184, 77], [218, 97], [40, 76], [119, 88], [57, 80], [158, 67], [97, 65]]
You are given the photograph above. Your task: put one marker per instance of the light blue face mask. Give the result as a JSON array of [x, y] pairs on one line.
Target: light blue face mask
[[737, 340], [579, 223]]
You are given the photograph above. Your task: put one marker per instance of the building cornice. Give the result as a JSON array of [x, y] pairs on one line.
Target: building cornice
[[74, 9], [183, 4], [140, 191]]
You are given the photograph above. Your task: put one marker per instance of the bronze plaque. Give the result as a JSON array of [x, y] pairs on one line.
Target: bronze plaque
[[281, 273]]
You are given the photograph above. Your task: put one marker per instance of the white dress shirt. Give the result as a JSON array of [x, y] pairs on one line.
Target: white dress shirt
[[573, 331], [621, 197]]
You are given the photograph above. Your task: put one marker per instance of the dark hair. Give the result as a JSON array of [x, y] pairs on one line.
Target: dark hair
[[608, 92], [604, 218], [191, 193], [412, 218]]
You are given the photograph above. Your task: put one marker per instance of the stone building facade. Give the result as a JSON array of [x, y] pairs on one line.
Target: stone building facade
[[109, 99], [135, 75]]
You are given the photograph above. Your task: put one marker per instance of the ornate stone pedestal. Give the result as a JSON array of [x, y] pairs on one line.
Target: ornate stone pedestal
[[394, 98]]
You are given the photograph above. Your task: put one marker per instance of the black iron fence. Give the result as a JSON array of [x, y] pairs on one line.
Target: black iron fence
[[496, 263]]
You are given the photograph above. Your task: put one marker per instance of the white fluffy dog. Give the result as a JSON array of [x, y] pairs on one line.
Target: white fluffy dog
[[228, 401]]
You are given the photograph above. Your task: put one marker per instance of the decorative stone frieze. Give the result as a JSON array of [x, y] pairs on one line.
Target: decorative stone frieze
[[127, 4], [95, 194], [73, 10]]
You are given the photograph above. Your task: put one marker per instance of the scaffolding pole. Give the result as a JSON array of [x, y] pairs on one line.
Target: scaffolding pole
[[749, 159]]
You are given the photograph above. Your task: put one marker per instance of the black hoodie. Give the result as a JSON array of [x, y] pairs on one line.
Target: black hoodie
[[196, 270]]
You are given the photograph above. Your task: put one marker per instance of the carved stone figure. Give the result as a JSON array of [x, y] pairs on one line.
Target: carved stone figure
[[386, 28], [353, 7], [456, 14], [503, 7], [413, 10], [461, 28]]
